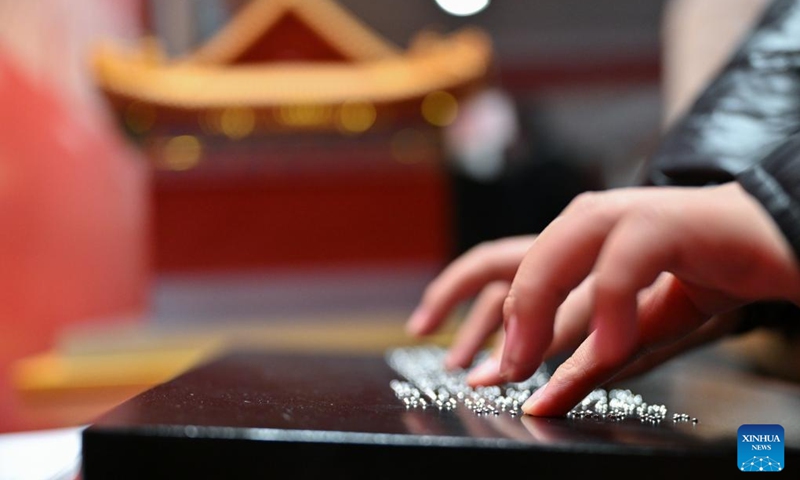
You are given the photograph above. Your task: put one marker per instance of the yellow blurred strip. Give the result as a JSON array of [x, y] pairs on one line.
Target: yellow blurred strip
[[54, 372], [369, 334], [135, 357]]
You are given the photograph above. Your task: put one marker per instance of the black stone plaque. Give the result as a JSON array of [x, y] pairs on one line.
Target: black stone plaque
[[258, 415]]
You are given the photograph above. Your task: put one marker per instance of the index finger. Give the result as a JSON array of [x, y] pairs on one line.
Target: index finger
[[563, 255], [464, 278]]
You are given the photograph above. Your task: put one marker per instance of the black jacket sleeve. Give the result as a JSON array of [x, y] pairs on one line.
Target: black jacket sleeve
[[775, 182], [745, 127]]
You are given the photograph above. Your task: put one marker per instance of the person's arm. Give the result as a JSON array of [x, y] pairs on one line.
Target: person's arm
[[742, 127], [775, 182], [697, 38], [744, 113]]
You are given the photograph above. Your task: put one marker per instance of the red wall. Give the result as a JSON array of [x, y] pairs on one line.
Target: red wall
[[375, 211]]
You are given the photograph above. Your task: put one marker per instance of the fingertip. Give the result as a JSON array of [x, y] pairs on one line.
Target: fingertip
[[454, 362], [487, 373], [531, 406], [547, 402], [522, 353], [515, 373], [418, 323], [412, 331]]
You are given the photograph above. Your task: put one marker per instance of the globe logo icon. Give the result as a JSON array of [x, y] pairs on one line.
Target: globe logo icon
[[760, 464]]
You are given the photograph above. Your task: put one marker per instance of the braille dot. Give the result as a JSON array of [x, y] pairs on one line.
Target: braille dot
[[422, 367]]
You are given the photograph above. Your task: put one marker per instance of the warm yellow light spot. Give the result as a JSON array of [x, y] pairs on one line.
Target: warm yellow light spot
[[237, 122], [356, 117], [411, 146], [151, 51], [182, 152], [439, 108], [139, 117], [304, 115], [209, 122]]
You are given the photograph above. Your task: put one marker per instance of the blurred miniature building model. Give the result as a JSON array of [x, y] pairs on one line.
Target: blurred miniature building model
[[296, 136], [293, 64]]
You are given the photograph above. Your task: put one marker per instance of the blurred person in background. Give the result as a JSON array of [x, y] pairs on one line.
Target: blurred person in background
[[509, 173], [73, 193], [705, 247]]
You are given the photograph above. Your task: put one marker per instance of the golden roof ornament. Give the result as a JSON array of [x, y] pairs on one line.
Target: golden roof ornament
[[292, 65]]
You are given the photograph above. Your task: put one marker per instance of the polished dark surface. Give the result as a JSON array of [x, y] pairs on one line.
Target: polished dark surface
[[246, 413]]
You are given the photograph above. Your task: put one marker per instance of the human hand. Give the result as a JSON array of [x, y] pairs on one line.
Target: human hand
[[626, 278], [484, 272]]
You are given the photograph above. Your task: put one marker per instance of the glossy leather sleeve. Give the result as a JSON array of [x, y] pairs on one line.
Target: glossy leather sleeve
[[745, 127]]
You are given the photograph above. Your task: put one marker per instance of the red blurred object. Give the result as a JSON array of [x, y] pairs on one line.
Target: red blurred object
[[74, 213], [282, 40]]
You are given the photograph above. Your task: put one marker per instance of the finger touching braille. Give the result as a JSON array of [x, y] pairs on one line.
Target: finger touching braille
[[562, 257]]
